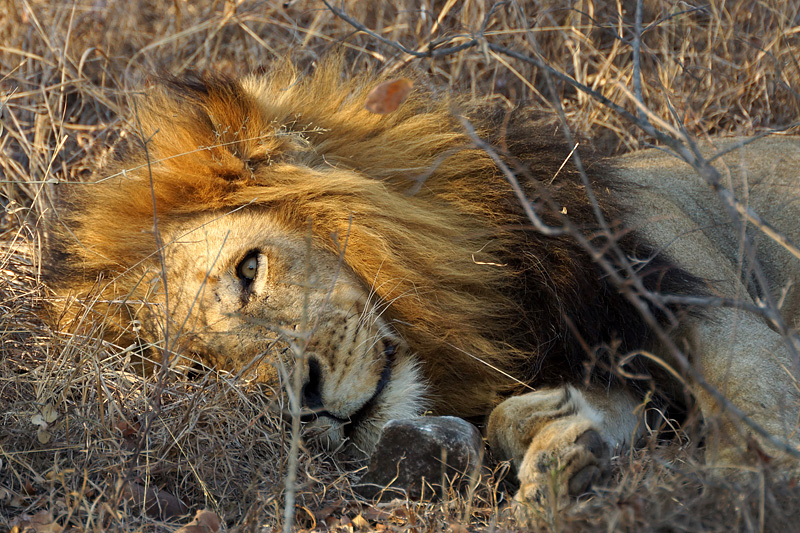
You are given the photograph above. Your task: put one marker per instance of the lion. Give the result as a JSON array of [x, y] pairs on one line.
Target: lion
[[272, 225]]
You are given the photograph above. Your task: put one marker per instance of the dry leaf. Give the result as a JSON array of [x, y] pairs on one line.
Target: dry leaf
[[49, 413], [46, 416], [388, 96], [41, 522], [325, 512], [359, 522], [127, 430], [204, 521], [376, 515], [156, 503], [43, 436]]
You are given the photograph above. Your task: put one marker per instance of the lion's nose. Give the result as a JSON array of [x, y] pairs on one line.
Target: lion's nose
[[311, 393]]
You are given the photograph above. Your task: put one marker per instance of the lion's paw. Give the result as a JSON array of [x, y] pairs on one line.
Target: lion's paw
[[561, 439], [551, 475]]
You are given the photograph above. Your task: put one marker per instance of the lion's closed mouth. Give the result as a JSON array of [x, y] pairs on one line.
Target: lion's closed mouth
[[351, 422], [386, 375]]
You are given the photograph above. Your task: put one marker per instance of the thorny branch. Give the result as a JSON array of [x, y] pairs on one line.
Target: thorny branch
[[688, 152], [638, 299], [681, 145], [162, 374]]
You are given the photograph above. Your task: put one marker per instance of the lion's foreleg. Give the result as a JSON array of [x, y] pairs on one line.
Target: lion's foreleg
[[560, 439]]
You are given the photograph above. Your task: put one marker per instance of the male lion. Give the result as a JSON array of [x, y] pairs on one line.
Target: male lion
[[391, 259]]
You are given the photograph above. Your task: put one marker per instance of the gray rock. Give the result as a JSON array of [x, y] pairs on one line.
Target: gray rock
[[415, 455]]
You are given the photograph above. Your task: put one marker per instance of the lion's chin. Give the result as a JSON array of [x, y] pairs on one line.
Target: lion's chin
[[403, 397]]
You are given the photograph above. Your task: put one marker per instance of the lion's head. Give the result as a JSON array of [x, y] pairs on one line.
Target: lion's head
[[290, 224]]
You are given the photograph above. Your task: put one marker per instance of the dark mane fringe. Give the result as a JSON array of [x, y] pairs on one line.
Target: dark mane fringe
[[469, 289], [585, 323]]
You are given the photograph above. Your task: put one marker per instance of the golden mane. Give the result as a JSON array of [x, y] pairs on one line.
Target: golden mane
[[304, 148]]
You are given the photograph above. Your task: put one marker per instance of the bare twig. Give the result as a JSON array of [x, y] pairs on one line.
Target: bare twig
[[636, 299], [432, 50], [537, 222], [636, 45], [155, 399], [293, 392]]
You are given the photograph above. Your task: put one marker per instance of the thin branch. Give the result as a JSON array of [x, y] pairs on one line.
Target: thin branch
[[684, 147], [749, 140], [636, 45], [432, 52], [162, 374], [637, 300], [295, 406], [537, 222]]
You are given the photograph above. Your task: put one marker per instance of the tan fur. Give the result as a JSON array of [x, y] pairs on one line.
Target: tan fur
[[395, 265], [270, 151], [738, 353]]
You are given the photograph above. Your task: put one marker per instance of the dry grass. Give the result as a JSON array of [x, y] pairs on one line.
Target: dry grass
[[218, 442]]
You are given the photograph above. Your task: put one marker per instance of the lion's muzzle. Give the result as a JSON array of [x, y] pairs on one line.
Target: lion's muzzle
[[311, 394], [385, 386]]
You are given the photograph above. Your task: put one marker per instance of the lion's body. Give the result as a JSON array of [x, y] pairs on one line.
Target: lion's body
[[394, 260], [737, 352], [734, 352]]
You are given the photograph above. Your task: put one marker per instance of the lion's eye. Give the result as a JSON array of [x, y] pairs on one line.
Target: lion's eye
[[248, 268]]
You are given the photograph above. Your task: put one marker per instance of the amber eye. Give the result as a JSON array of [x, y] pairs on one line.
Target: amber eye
[[248, 268]]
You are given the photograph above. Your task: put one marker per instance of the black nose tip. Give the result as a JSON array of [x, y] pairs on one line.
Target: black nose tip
[[311, 393]]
